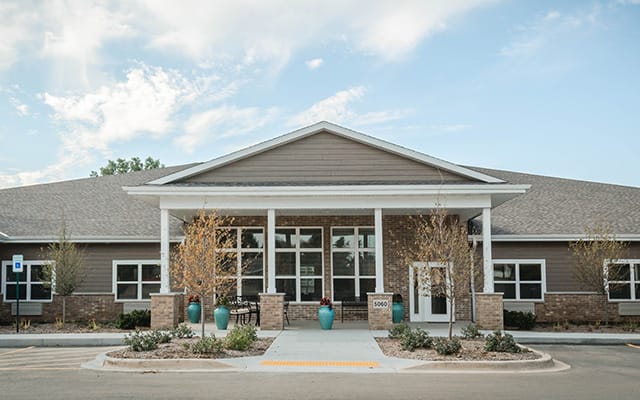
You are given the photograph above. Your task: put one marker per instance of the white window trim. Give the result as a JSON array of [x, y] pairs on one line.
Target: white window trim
[[297, 251], [356, 249], [517, 262], [139, 282], [634, 280], [27, 268], [240, 250]]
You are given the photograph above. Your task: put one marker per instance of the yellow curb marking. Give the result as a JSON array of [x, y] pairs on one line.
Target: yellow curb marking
[[283, 363], [633, 345], [17, 351]]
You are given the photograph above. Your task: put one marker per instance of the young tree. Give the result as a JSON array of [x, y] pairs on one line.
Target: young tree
[[200, 263], [593, 262], [65, 272], [122, 166], [440, 249]]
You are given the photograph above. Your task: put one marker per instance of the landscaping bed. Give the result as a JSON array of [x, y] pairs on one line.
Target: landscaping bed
[[178, 349]]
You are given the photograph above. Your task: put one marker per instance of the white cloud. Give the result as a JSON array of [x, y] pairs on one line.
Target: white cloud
[[315, 63], [21, 108], [16, 30], [551, 15], [221, 122], [337, 109]]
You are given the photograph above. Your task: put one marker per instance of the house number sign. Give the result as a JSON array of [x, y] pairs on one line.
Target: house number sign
[[381, 304]]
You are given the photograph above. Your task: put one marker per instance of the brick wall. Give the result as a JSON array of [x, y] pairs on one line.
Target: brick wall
[[167, 310], [271, 311], [82, 308], [489, 311], [574, 307], [380, 317]]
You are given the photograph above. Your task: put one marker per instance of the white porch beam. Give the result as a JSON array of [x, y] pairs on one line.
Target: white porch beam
[[271, 250], [164, 251], [379, 253], [486, 250]]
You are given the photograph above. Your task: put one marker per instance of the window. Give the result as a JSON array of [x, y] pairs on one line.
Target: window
[[519, 279], [299, 263], [249, 247], [136, 280], [627, 283], [353, 260], [31, 286]]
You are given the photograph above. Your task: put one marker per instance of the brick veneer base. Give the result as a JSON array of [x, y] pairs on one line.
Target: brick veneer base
[[574, 307], [489, 311], [380, 318], [167, 310], [271, 311], [80, 307]]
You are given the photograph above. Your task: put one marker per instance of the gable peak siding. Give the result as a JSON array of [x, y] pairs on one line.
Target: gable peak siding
[[326, 158]]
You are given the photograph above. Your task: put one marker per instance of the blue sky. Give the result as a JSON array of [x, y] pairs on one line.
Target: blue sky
[[546, 87]]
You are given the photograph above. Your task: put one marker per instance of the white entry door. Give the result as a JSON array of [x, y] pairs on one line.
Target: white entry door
[[423, 306]]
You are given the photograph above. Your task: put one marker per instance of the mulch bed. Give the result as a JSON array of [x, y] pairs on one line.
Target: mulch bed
[[176, 349], [472, 350]]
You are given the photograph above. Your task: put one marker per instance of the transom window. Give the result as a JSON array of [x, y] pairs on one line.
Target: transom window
[[353, 260], [299, 263], [32, 287], [627, 285], [519, 279], [248, 244], [136, 279]]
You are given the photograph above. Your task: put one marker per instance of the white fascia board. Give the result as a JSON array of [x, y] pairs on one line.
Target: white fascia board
[[626, 237], [333, 128], [326, 191], [91, 239]]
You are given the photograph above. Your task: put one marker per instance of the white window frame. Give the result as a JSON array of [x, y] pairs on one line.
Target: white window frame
[[27, 271], [239, 250], [139, 282], [356, 250], [297, 250], [517, 282], [633, 281]]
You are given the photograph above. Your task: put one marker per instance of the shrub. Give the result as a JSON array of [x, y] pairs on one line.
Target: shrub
[[446, 346], [415, 339], [141, 341], [182, 331], [207, 345], [399, 330], [498, 342], [241, 337], [162, 336], [134, 319], [519, 319], [471, 332]]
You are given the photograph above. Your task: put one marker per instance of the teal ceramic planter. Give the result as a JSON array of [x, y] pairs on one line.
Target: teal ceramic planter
[[326, 316], [221, 315], [397, 312], [193, 311]]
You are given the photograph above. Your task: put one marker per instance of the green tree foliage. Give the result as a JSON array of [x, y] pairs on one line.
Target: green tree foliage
[[122, 166], [65, 271]]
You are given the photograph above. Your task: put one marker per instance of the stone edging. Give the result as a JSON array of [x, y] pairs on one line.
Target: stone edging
[[542, 364], [174, 364]]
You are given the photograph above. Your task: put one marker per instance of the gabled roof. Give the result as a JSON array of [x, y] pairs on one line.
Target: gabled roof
[[93, 209], [334, 129], [560, 209]]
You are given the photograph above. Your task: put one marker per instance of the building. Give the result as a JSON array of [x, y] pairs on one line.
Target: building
[[321, 211]]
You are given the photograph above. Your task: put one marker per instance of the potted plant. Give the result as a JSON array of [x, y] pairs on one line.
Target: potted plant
[[221, 312], [397, 308], [326, 313], [194, 308]]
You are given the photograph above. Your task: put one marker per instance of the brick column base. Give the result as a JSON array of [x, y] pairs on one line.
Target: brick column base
[[380, 310], [167, 310], [489, 311], [272, 311]]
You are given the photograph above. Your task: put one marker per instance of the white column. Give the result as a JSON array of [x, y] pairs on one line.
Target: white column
[[379, 254], [271, 251], [164, 251], [486, 250]]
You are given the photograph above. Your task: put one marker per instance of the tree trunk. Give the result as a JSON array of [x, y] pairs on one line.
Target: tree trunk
[[605, 300], [64, 309], [453, 301], [202, 317]]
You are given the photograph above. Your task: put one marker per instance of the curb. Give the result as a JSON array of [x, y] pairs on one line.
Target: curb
[[592, 341], [112, 364], [543, 364], [60, 341]]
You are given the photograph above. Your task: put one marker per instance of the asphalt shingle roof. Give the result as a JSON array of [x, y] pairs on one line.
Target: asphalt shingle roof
[[91, 208], [564, 206]]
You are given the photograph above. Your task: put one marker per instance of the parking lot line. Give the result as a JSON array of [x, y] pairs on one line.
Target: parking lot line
[[634, 346], [16, 351]]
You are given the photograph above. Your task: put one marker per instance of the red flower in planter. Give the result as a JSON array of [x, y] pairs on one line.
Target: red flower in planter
[[325, 301], [194, 298]]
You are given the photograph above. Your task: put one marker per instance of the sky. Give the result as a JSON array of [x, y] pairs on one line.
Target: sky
[[544, 87]]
